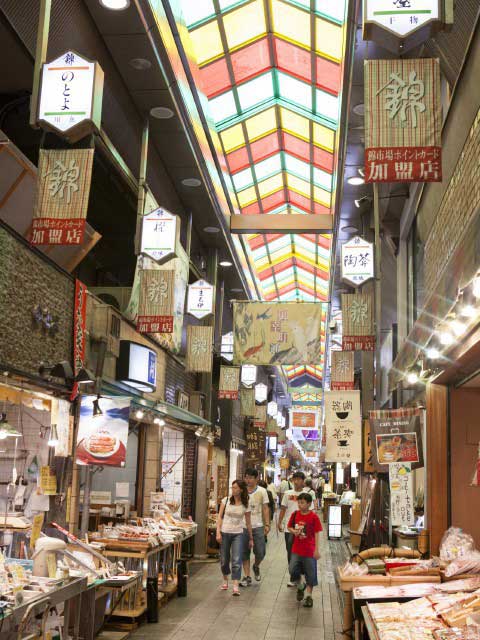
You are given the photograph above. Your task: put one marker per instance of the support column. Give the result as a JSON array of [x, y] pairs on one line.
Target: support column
[[201, 498]]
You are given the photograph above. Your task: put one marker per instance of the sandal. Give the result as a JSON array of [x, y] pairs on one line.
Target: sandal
[[224, 586], [236, 591]]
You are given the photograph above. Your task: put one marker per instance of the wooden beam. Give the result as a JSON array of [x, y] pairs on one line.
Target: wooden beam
[[281, 223]]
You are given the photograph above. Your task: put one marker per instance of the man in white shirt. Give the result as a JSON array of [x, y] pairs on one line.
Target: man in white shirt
[[260, 516], [272, 488], [284, 486], [289, 505]]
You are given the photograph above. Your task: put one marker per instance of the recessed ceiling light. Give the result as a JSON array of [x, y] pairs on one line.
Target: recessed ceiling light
[[225, 263], [140, 64], [211, 229], [115, 5], [236, 290], [191, 182], [161, 113], [355, 180], [349, 228], [359, 109]]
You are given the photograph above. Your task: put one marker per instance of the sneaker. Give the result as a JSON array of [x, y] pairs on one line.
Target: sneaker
[[256, 572], [300, 592], [291, 584], [246, 581], [308, 603]]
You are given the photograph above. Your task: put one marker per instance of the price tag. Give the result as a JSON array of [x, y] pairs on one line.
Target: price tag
[[51, 564], [36, 529]]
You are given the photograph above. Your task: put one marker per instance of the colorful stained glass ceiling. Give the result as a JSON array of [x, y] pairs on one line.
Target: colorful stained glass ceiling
[[304, 375]]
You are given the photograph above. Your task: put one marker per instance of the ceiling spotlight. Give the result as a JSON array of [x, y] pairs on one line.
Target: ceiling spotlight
[[359, 109], [139, 414], [211, 229], [53, 439], [272, 375], [468, 311], [115, 5], [432, 353], [412, 377], [349, 228], [97, 412], [191, 182], [355, 181], [140, 64], [362, 201], [161, 113], [159, 421], [225, 263], [457, 327], [445, 338]]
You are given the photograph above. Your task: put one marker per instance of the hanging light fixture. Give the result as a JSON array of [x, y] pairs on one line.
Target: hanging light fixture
[[53, 439], [446, 338], [97, 412], [6, 429]]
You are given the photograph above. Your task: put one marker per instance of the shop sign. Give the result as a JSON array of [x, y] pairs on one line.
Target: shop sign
[[403, 120], [402, 512], [357, 261], [260, 419], [396, 437], [284, 463], [79, 331], [63, 421], [261, 392], [303, 419], [229, 383], [282, 333], [156, 304], [272, 408], [199, 349], [71, 92], [342, 371], [248, 375], [200, 299], [160, 235], [103, 431], [256, 442], [343, 425], [137, 366], [358, 327], [61, 198], [247, 402]]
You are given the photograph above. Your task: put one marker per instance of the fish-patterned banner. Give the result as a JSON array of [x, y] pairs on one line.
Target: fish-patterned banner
[[278, 333]]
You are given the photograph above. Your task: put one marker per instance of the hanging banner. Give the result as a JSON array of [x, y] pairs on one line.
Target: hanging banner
[[249, 375], [368, 466], [343, 424], [357, 319], [403, 120], [402, 512], [61, 419], [247, 402], [160, 235], [200, 299], [342, 371], [284, 463], [155, 308], [278, 333], [357, 261], [199, 349], [229, 383], [103, 431], [79, 331], [260, 419], [71, 93], [306, 434], [303, 419], [256, 443], [61, 198], [397, 437], [261, 392]]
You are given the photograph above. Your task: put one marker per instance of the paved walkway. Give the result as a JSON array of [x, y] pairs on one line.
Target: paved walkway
[[267, 610]]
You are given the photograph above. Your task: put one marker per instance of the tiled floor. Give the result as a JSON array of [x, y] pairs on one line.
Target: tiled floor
[[266, 610]]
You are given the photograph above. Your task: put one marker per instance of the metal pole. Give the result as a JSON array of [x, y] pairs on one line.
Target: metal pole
[[142, 185], [86, 501], [378, 294], [40, 56]]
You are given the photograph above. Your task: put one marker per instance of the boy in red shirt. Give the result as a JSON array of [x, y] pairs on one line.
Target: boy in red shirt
[[305, 526]]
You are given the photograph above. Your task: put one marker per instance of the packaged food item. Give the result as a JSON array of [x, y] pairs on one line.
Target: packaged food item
[[456, 544], [468, 564], [386, 612]]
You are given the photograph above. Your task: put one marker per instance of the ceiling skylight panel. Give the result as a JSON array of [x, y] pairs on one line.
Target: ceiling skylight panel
[[268, 167], [255, 91], [331, 8], [223, 107], [247, 196], [322, 178], [296, 166], [299, 185], [232, 138], [270, 185], [327, 105], [242, 179], [207, 43], [261, 124], [244, 24], [323, 137], [329, 39], [198, 10], [291, 22], [294, 90], [294, 123]]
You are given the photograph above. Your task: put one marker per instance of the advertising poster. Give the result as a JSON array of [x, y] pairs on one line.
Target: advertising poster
[[303, 419], [103, 431], [401, 494], [396, 436], [343, 424]]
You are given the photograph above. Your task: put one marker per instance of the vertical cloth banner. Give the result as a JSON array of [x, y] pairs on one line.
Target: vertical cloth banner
[[247, 402], [403, 121], [61, 199], [278, 333], [357, 319], [343, 424], [401, 494], [199, 349], [229, 383], [260, 420], [342, 371], [79, 331], [155, 308], [256, 442], [397, 437]]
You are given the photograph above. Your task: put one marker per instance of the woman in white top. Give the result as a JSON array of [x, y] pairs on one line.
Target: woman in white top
[[234, 514]]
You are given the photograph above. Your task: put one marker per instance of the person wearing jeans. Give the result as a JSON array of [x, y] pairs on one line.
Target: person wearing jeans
[[234, 511]]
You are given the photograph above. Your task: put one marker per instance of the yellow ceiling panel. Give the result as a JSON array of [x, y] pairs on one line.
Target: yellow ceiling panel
[[247, 196], [323, 137], [261, 124], [329, 39], [295, 124], [232, 138], [275, 183], [207, 42], [291, 23], [245, 24], [322, 196], [298, 185]]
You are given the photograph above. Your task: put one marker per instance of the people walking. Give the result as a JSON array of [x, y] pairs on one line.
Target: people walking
[[283, 488], [305, 527], [260, 517], [234, 515]]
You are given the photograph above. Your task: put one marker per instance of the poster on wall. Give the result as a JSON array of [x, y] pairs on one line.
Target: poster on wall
[[403, 120], [103, 431], [402, 512], [229, 383], [397, 437], [278, 333], [343, 425]]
